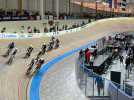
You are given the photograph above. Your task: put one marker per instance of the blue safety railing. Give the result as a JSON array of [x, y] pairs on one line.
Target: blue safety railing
[[94, 85]]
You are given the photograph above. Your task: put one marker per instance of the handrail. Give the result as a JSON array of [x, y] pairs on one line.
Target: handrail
[[49, 34], [39, 35], [113, 84]]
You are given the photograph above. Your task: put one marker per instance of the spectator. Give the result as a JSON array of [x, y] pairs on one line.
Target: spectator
[[80, 54], [35, 30], [100, 84], [87, 55], [66, 27], [121, 58], [92, 61], [22, 29], [3, 30], [29, 29], [45, 29]]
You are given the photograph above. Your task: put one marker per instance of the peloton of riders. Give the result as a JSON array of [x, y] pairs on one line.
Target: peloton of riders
[[36, 62]]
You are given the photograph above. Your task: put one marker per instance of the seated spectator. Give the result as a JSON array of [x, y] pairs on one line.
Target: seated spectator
[[38, 31], [3, 30], [45, 29], [35, 30], [13, 13], [66, 27], [29, 29], [63, 27], [22, 29], [83, 23]]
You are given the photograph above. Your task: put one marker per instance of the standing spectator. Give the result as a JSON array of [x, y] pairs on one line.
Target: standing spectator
[[121, 58], [82, 56], [92, 61], [100, 84], [87, 55], [127, 62]]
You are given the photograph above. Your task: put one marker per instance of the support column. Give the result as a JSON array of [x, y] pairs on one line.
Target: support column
[[20, 5], [5, 4], [53, 4], [42, 9], [69, 2], [2, 3], [57, 9], [27, 5]]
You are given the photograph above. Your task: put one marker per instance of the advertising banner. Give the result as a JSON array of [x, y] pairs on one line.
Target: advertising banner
[[8, 36]]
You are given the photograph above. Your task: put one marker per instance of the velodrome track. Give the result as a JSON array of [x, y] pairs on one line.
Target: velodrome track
[[14, 83]]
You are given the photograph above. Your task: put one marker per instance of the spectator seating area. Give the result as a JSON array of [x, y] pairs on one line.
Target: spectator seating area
[[39, 26], [14, 15]]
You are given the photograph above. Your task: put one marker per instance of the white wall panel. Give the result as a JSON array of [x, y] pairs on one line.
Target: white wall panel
[[12, 4]]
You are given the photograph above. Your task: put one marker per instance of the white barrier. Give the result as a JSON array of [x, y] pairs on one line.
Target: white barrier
[[108, 26], [37, 35]]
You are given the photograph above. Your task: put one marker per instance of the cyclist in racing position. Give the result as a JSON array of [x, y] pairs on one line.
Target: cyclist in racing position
[[31, 65], [43, 49], [12, 56], [38, 65], [29, 51], [57, 43], [52, 40], [39, 55], [10, 48]]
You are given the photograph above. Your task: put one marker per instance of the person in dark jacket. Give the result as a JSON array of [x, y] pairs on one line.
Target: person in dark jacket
[[100, 84]]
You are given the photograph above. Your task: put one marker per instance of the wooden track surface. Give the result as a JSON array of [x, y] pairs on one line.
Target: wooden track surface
[[13, 82]]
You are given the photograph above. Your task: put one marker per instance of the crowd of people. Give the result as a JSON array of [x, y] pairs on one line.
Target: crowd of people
[[52, 28], [36, 62], [14, 14], [125, 44], [87, 56], [120, 48]]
